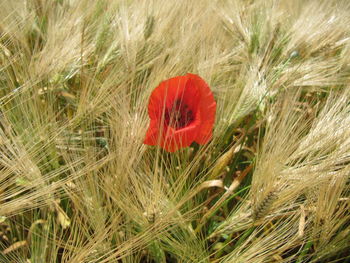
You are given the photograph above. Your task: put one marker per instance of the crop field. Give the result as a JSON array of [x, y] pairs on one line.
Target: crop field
[[174, 131]]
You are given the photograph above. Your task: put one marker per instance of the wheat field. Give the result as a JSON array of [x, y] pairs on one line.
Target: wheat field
[[77, 183]]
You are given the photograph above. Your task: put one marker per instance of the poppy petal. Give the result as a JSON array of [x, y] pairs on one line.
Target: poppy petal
[[206, 127], [176, 139], [182, 110], [191, 96], [152, 135], [207, 109], [164, 95]]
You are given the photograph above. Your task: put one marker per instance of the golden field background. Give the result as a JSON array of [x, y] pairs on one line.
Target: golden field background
[[77, 184]]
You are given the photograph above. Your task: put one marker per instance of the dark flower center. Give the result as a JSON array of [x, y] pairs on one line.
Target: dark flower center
[[179, 115]]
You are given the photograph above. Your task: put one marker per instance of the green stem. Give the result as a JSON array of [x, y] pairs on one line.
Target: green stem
[[304, 251], [156, 252]]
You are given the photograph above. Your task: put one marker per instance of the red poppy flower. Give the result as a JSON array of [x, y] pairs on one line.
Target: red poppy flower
[[182, 110]]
